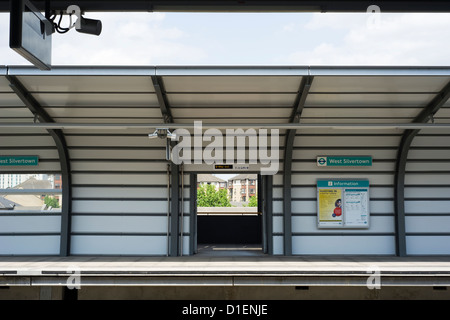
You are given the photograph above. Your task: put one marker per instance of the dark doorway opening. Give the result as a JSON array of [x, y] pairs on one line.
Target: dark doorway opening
[[229, 229], [235, 230]]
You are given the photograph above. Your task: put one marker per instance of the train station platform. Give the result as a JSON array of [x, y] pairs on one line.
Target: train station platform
[[245, 268]]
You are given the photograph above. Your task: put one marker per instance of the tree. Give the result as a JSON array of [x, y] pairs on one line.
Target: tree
[[51, 202], [253, 201], [209, 196]]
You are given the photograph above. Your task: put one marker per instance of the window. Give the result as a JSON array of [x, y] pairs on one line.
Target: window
[[30, 193]]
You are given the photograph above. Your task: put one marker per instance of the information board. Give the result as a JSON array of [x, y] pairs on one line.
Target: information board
[[343, 203]]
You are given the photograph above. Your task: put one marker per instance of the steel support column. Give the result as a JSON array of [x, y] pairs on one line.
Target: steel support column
[[268, 212], [287, 173], [193, 214], [58, 136], [174, 209], [174, 171], [400, 168]]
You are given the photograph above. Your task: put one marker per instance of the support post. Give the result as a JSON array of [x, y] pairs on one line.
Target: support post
[[174, 209], [268, 211], [193, 214]]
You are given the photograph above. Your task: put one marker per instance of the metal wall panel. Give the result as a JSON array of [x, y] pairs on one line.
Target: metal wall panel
[[118, 245], [50, 223], [343, 244], [307, 225], [428, 244], [118, 224], [29, 245]]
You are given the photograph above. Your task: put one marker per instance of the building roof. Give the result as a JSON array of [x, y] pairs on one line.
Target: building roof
[[205, 177], [33, 183], [244, 176], [6, 204]]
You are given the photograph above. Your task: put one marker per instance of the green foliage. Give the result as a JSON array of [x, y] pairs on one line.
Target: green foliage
[[253, 202], [51, 202], [209, 196]]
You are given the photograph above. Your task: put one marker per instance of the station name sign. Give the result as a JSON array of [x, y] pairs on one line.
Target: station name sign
[[19, 160], [344, 161]]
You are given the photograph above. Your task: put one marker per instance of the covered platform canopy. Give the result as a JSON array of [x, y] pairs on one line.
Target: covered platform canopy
[[142, 97], [75, 117]]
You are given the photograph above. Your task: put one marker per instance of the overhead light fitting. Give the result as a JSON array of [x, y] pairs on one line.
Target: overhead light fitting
[[162, 133], [82, 24]]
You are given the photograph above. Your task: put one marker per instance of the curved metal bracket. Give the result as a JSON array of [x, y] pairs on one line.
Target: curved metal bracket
[[287, 172]]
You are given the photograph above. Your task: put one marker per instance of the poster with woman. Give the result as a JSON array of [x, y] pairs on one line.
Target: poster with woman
[[330, 207]]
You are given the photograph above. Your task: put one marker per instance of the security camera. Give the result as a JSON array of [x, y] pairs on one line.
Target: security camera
[[84, 25], [89, 26]]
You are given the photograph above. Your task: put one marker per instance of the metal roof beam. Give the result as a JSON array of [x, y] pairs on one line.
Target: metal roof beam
[[281, 126], [173, 219], [305, 86], [162, 99], [61, 145], [400, 169]]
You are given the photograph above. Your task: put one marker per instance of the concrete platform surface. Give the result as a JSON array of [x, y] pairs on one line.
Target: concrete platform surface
[[226, 265]]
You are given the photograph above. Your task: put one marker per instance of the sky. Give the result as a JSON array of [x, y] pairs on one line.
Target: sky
[[250, 39]]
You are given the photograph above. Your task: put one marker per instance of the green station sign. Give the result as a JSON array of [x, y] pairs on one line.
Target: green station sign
[[19, 160], [344, 161]]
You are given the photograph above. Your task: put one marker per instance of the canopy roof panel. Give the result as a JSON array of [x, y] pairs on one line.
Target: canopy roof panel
[[225, 95]]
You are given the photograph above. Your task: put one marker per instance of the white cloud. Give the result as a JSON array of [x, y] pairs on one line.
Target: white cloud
[[126, 39], [135, 39], [394, 39]]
